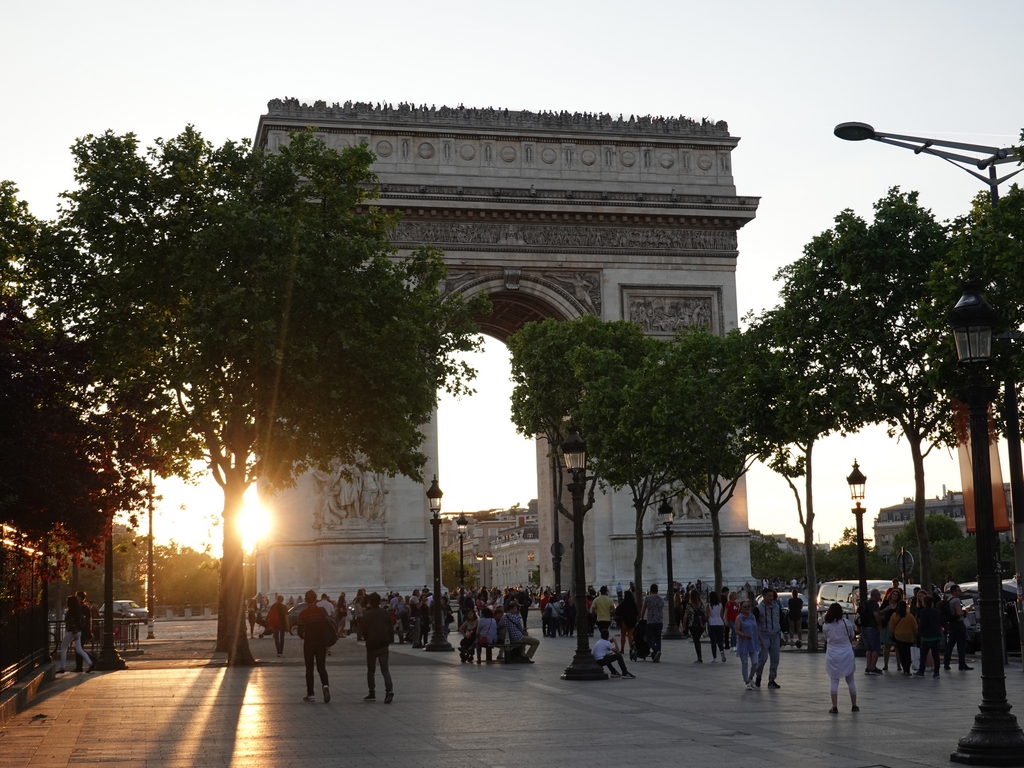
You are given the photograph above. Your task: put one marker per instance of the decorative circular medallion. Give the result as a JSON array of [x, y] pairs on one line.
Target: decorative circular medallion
[[627, 158], [704, 162], [467, 151], [338, 142], [666, 160], [588, 157], [548, 155], [384, 148], [508, 154], [426, 150]]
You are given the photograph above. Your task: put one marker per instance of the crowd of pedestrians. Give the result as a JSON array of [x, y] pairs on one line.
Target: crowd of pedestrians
[[484, 619]]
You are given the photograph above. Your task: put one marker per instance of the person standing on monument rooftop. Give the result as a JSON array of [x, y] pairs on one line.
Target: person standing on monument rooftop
[[312, 624]]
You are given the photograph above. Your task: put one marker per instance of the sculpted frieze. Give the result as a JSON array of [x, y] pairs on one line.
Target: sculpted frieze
[[663, 311], [443, 232], [347, 497]]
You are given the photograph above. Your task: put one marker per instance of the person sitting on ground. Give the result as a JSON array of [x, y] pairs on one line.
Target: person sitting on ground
[[606, 652], [517, 633]]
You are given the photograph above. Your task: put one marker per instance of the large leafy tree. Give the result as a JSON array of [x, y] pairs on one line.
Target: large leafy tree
[[807, 396], [863, 289], [256, 300], [68, 460], [709, 406], [628, 447]]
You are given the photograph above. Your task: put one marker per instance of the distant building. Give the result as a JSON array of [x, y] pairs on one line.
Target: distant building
[[501, 544], [891, 520]]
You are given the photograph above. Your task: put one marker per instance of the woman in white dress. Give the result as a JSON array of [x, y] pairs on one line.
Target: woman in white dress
[[839, 659]]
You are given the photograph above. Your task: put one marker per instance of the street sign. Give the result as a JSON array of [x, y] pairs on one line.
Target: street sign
[[905, 562], [557, 550]]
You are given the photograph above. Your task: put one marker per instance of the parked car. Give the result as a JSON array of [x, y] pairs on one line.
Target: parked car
[[293, 617], [784, 603], [127, 609], [972, 620]]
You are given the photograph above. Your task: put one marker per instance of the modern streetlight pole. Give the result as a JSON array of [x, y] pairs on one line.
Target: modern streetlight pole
[[856, 481], [995, 738], [583, 666], [437, 641], [987, 157], [666, 515]]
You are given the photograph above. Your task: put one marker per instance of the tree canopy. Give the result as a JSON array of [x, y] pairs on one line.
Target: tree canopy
[[256, 301]]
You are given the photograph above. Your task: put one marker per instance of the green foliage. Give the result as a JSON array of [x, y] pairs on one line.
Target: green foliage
[[708, 408], [767, 561], [862, 289], [255, 306], [450, 571], [940, 528], [840, 562]]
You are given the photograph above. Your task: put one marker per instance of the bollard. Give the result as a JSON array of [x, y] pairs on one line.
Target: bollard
[[188, 611], [170, 613], [206, 613]]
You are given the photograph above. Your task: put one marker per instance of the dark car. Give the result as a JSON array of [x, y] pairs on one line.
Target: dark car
[[972, 620], [784, 605], [293, 616]]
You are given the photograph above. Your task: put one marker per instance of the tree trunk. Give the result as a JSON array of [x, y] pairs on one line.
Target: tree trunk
[[638, 561], [812, 574], [919, 514], [716, 540], [231, 629]]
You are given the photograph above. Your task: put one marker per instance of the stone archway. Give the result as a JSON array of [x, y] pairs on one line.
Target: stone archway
[[551, 215]]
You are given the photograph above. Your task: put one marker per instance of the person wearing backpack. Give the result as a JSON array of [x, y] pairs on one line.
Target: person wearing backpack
[[377, 631], [769, 631], [316, 636], [716, 626], [953, 612]]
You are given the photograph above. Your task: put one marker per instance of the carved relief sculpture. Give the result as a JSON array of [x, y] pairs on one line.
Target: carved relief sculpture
[[359, 500], [586, 288]]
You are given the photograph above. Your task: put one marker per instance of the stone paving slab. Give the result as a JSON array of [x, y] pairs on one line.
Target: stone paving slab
[[190, 710]]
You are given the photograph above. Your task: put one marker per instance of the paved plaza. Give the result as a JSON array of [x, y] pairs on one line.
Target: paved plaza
[[178, 706]]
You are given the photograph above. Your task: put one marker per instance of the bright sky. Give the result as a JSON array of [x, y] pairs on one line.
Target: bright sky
[[781, 74]]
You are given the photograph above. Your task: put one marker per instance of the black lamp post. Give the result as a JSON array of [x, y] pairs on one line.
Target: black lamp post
[[462, 523], [667, 516], [857, 481], [995, 738], [583, 666], [437, 641]]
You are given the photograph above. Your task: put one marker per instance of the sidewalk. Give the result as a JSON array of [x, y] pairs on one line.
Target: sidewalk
[[190, 710]]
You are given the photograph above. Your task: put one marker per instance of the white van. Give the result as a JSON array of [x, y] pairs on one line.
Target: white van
[[843, 592]]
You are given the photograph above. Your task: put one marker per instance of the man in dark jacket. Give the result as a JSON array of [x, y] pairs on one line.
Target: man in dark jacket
[[277, 623], [377, 633], [312, 625], [86, 615]]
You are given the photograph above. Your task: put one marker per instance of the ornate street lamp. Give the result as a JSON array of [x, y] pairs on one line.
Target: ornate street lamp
[[856, 481], [583, 666], [437, 641], [995, 738], [667, 516]]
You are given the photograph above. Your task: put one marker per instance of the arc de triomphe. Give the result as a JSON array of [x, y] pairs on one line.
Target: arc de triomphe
[[551, 215]]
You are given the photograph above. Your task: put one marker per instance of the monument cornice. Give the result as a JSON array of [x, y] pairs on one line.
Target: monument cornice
[[501, 121], [746, 204]]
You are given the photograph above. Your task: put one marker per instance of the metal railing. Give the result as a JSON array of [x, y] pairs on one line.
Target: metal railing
[[126, 636]]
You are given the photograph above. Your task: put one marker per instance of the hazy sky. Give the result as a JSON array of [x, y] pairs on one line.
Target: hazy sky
[[781, 74]]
